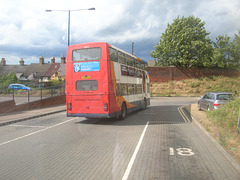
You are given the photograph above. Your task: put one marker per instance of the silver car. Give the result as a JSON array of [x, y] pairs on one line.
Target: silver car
[[212, 100]]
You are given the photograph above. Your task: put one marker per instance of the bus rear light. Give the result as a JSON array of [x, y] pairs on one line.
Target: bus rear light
[[69, 106], [105, 107]]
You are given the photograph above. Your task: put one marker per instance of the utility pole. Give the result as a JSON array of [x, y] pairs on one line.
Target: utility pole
[[132, 48]]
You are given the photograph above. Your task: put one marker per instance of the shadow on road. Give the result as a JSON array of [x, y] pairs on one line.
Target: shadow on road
[[153, 115]]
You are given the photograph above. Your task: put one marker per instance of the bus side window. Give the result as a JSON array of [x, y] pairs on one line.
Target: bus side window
[[139, 88], [135, 89], [124, 89], [113, 54], [129, 61], [137, 64], [121, 58], [130, 89]]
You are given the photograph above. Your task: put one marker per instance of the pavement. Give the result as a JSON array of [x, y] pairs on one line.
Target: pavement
[[18, 116]]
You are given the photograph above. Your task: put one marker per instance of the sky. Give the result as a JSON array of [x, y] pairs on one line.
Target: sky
[[27, 31]]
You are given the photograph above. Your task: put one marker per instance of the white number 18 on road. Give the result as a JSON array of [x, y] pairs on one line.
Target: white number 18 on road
[[182, 151]]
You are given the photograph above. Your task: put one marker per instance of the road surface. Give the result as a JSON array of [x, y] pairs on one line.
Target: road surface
[[156, 143]]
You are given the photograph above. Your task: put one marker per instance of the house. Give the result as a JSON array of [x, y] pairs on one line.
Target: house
[[38, 72], [62, 72], [19, 70], [57, 70], [52, 73]]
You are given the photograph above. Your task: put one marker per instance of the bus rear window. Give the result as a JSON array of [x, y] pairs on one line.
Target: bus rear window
[[87, 54], [86, 85]]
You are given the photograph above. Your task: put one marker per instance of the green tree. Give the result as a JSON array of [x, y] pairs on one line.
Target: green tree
[[55, 82], [8, 79], [221, 55], [235, 51], [184, 43]]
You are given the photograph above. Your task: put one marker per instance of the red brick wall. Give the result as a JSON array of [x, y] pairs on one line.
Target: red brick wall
[[9, 106], [164, 74]]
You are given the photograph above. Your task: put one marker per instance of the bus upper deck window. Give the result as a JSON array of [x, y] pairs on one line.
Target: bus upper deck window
[[87, 54]]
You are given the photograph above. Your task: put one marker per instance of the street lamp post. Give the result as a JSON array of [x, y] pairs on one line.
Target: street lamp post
[[69, 11]]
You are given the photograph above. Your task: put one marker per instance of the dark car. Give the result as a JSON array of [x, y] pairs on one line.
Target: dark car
[[18, 86], [212, 100]]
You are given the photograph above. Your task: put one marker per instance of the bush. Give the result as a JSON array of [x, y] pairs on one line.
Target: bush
[[227, 115], [8, 79], [55, 82]]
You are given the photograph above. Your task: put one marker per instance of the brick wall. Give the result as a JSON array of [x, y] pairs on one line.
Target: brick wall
[[9, 106], [52, 101], [164, 74]]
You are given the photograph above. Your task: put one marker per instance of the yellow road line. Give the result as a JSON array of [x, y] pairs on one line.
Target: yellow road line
[[184, 116]]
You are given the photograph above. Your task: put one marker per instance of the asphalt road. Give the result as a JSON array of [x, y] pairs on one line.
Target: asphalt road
[[156, 143]]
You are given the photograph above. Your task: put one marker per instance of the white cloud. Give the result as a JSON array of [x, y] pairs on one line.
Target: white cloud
[[26, 30]]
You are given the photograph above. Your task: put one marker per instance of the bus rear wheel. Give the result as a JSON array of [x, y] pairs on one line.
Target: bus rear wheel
[[123, 112]]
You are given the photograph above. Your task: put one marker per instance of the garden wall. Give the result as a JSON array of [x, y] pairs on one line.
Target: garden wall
[[9, 106], [165, 74], [6, 106]]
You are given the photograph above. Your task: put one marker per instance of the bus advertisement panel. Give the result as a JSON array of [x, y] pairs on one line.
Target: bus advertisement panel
[[103, 81]]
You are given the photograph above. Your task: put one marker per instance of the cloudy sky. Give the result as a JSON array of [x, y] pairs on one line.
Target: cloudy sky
[[28, 32]]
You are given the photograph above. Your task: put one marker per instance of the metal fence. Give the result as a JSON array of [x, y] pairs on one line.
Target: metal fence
[[26, 96]]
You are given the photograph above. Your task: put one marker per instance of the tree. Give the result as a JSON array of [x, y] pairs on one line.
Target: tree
[[184, 43], [221, 55], [235, 50], [8, 79]]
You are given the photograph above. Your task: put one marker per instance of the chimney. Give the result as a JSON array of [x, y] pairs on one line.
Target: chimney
[[53, 60], [41, 60], [63, 59], [21, 62], [3, 62]]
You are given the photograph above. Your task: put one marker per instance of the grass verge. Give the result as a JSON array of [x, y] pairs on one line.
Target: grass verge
[[223, 124], [196, 87]]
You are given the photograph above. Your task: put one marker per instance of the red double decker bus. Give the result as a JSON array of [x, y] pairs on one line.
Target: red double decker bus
[[103, 81]]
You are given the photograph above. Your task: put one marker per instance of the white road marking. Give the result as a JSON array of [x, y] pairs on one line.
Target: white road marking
[[18, 125], [171, 151], [130, 164], [148, 113], [185, 152], [184, 116], [36, 132]]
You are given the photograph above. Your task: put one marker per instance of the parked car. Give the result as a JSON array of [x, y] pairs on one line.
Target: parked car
[[18, 86], [212, 100]]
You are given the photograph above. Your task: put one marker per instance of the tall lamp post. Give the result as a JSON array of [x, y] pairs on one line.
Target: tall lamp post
[[69, 11]]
